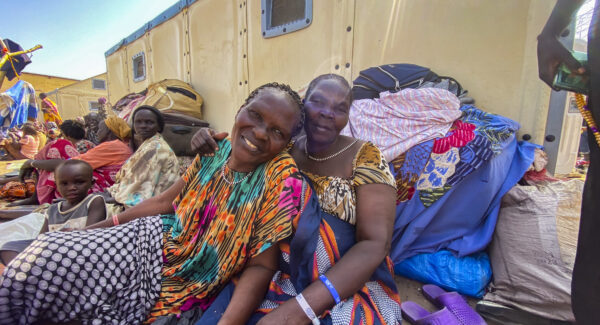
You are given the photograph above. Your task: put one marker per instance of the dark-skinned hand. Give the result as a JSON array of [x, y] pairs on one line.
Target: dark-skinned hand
[[551, 53], [25, 171], [204, 142]]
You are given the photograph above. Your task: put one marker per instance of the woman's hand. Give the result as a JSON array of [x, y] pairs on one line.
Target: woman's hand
[[205, 140], [251, 287], [551, 53], [159, 204], [26, 170], [289, 313], [375, 212]]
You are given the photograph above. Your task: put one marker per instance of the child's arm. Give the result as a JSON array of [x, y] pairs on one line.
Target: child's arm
[[44, 226], [96, 211], [160, 204], [252, 287]]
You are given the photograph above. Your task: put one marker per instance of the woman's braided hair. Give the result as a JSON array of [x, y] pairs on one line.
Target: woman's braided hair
[[290, 92]]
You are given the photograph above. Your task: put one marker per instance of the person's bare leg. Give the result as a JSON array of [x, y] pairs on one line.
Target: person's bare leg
[[5, 180], [7, 256], [32, 200], [14, 151]]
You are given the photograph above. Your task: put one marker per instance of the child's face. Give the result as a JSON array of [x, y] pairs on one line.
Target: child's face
[[73, 183]]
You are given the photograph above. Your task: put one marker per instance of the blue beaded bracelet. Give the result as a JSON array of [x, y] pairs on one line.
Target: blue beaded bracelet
[[331, 288]]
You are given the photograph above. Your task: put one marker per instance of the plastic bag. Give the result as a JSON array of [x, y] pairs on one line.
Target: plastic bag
[[467, 275], [22, 228]]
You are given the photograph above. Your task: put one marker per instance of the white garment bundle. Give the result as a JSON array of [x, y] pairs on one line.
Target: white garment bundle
[[395, 122], [22, 228]]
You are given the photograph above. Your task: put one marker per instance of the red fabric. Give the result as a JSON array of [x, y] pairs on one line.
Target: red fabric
[[458, 137], [104, 177]]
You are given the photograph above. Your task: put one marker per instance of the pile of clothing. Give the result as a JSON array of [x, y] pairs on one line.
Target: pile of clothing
[[452, 165], [17, 105]]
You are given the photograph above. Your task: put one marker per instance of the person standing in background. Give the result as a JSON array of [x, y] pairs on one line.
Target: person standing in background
[[585, 288], [50, 110]]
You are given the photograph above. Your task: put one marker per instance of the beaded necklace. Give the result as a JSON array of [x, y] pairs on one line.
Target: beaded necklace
[[587, 116], [233, 182]]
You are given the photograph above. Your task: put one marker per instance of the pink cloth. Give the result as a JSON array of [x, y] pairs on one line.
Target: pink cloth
[[395, 122], [29, 146], [57, 149]]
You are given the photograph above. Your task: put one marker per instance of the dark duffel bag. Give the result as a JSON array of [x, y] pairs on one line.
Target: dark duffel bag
[[179, 130], [393, 78]]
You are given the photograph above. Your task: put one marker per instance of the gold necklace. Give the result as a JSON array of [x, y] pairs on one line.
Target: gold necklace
[[328, 157]]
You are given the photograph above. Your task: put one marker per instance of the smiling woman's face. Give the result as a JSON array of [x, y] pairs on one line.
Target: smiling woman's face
[[262, 129], [327, 111]]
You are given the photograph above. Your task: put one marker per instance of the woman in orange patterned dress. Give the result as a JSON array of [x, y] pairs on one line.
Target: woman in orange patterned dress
[[224, 217]]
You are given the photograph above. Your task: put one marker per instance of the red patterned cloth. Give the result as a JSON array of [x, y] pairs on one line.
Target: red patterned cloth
[[460, 134], [57, 149], [106, 159]]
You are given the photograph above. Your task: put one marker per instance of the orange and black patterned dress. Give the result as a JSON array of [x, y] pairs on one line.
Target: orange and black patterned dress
[[218, 227], [156, 265]]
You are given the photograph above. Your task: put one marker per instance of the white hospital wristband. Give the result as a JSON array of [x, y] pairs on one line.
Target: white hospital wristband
[[307, 310]]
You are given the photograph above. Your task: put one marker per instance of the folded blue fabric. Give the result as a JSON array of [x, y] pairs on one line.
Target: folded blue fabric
[[24, 105], [455, 201]]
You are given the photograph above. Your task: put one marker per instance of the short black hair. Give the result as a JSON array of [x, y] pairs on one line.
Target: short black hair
[[76, 162], [160, 120], [72, 129], [29, 129], [42, 96], [328, 76]]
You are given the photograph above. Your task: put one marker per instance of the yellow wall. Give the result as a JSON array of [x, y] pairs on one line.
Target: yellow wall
[[71, 96], [73, 100], [217, 46], [41, 83]]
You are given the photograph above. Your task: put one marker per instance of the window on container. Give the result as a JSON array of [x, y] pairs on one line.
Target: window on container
[[99, 84], [284, 16], [139, 67], [94, 106]]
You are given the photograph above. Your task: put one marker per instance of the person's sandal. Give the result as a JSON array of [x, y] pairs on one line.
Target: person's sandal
[[417, 315], [455, 303]]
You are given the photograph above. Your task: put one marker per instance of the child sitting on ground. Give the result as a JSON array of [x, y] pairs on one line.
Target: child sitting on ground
[[25, 146], [78, 210]]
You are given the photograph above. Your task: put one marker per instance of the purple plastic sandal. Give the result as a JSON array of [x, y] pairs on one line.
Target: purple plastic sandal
[[417, 315], [455, 303]]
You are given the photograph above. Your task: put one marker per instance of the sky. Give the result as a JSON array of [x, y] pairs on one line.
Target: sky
[[74, 33]]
